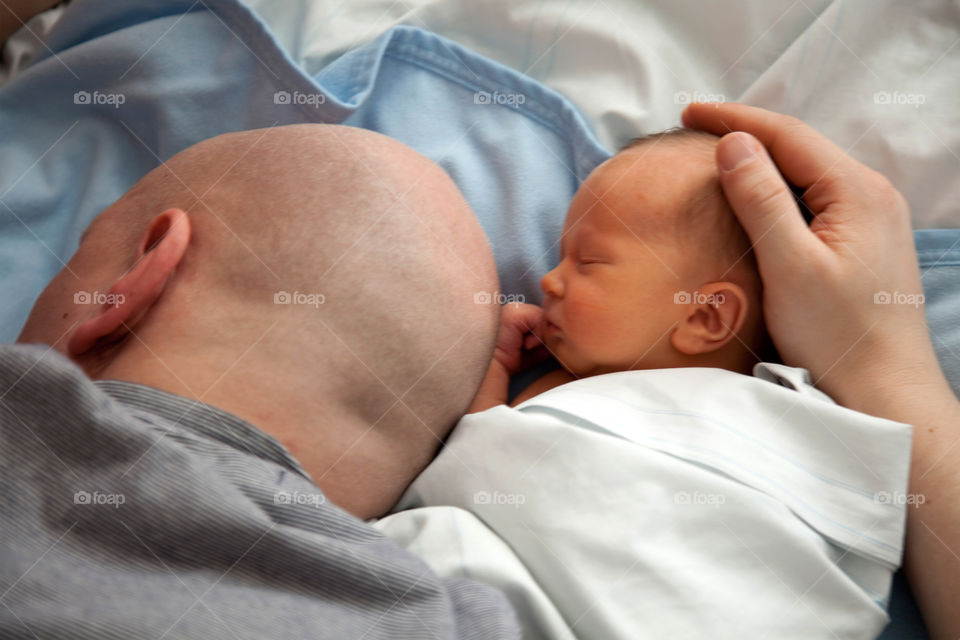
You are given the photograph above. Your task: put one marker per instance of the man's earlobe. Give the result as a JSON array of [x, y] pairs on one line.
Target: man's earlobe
[[160, 250], [712, 318]]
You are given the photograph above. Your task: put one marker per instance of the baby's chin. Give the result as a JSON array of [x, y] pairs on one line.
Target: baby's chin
[[584, 366], [561, 352], [583, 362], [574, 360]]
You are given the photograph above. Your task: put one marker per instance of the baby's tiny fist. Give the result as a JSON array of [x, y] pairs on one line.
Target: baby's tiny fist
[[532, 341]]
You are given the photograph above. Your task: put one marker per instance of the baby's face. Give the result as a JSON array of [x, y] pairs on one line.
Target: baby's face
[[609, 304]]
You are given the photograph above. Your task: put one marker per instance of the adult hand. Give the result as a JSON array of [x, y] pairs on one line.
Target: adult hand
[[840, 298]]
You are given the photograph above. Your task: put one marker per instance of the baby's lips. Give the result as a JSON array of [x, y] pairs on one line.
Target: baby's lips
[[537, 334]]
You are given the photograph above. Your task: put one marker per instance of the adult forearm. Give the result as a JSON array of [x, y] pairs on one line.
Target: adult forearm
[[14, 13], [932, 556]]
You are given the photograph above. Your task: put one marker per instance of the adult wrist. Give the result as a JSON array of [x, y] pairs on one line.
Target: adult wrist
[[890, 380]]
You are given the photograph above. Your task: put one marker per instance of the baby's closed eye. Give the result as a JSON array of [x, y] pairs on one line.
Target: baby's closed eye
[[584, 261]]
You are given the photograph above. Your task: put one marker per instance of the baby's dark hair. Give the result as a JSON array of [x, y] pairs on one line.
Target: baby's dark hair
[[709, 226]]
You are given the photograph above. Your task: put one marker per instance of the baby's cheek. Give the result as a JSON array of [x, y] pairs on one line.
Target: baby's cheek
[[582, 321], [624, 334], [596, 332]]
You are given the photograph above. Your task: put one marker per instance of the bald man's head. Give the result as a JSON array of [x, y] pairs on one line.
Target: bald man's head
[[316, 280]]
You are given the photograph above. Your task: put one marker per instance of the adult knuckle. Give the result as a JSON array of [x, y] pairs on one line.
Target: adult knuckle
[[878, 183], [885, 198]]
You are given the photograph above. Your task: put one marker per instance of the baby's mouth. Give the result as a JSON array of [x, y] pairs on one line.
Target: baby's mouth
[[549, 328]]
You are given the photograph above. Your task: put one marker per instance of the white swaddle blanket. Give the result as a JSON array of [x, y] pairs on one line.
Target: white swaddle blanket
[[672, 503]]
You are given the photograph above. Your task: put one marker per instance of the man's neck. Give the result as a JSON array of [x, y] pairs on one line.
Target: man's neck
[[353, 462]]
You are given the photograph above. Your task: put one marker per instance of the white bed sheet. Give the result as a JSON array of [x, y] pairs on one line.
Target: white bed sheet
[[878, 77]]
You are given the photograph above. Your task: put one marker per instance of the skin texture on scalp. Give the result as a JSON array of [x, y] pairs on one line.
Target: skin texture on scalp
[[701, 221], [363, 377]]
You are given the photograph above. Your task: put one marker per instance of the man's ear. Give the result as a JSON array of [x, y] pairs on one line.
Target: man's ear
[[712, 317], [159, 252]]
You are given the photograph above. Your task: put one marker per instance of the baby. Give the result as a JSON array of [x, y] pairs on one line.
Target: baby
[[655, 272], [672, 497]]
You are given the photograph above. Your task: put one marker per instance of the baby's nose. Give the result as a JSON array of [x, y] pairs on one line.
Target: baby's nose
[[550, 283]]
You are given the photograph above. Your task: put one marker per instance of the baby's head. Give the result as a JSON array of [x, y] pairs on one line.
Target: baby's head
[[655, 270]]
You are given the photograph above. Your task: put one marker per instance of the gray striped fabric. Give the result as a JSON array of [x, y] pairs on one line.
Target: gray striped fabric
[[128, 512]]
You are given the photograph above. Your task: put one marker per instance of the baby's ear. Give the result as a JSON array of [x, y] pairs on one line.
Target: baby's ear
[[712, 316]]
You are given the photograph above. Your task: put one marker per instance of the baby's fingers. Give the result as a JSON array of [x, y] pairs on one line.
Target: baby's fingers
[[522, 316], [534, 356], [532, 341]]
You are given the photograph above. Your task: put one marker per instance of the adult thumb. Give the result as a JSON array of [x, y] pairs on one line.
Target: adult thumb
[[760, 197]]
